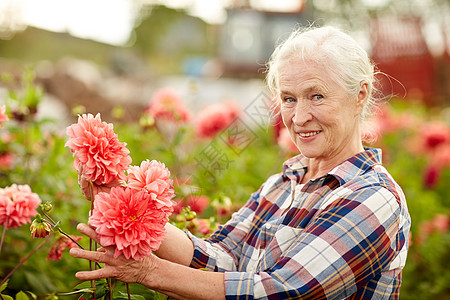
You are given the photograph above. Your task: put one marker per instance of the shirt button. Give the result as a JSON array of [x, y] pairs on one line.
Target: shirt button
[[268, 226]]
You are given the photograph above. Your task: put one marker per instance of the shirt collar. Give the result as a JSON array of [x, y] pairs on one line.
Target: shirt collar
[[295, 167]]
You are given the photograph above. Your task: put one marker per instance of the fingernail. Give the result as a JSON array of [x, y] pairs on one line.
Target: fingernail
[[74, 251]]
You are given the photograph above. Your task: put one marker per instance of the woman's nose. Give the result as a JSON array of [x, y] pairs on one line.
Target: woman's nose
[[302, 114]]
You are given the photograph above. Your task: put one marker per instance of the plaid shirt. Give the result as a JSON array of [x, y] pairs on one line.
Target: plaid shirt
[[340, 236]]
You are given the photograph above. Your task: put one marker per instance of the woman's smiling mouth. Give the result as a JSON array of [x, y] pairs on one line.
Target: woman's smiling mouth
[[309, 133]]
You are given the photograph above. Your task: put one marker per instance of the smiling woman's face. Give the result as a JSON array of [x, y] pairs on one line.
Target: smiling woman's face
[[322, 118]]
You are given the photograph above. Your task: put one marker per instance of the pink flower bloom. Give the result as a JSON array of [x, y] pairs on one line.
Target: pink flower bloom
[[198, 203], [168, 105], [18, 205], [284, 140], [6, 161], [214, 118], [95, 145], [441, 223], [3, 116], [441, 155], [154, 178], [129, 220], [434, 134], [61, 244], [203, 226]]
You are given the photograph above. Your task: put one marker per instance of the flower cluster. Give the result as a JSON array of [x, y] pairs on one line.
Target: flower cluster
[[18, 205], [95, 146], [131, 217]]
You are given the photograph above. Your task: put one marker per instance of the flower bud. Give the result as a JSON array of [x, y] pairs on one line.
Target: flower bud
[[47, 206], [39, 228], [189, 214]]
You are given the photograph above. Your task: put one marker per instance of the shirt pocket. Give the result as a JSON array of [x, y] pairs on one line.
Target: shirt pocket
[[283, 238]]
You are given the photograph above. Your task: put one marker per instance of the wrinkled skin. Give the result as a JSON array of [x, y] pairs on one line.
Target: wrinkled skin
[[125, 270]]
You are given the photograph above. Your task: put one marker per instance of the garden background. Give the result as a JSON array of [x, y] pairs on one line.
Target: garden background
[[218, 141]]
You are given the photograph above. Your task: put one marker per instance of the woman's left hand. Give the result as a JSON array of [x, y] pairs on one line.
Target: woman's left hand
[[125, 270]]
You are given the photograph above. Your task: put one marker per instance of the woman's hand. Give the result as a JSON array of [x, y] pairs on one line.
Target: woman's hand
[[84, 184], [125, 270]]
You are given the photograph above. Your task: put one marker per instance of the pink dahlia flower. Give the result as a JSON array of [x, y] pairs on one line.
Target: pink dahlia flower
[[154, 178], [168, 105], [129, 220], [95, 145], [18, 205], [198, 203], [214, 118], [3, 116]]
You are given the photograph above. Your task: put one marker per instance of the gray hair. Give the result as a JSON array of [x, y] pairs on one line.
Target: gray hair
[[340, 54]]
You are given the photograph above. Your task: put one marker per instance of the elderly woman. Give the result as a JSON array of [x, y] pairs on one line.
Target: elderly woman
[[333, 224]]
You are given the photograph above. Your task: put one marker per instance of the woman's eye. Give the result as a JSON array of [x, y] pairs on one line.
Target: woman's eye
[[317, 97], [288, 100]]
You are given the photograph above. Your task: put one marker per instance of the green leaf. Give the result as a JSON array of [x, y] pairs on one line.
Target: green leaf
[[86, 290], [31, 295], [4, 285], [6, 297], [21, 296], [122, 295]]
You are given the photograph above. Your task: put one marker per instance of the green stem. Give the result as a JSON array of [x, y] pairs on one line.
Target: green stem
[[91, 194], [53, 224], [24, 260], [3, 233]]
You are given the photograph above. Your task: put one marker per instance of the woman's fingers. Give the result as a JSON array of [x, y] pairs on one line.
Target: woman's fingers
[[96, 274], [88, 231]]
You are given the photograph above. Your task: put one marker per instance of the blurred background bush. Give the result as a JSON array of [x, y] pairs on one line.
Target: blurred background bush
[[62, 58]]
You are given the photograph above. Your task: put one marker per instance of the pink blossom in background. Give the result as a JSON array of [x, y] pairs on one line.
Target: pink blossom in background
[[431, 176], [198, 203], [61, 244], [284, 140], [178, 207], [214, 118], [441, 223], [18, 204], [387, 121], [3, 116], [434, 134], [6, 161], [168, 105], [441, 156], [154, 178], [129, 220], [95, 145], [203, 226]]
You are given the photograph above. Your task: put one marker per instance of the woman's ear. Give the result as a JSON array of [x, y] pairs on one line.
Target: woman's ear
[[362, 96]]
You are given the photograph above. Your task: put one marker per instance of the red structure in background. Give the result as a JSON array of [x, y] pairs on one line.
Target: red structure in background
[[399, 50]]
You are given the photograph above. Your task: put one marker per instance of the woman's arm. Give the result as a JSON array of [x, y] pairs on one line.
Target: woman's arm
[[176, 247]]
